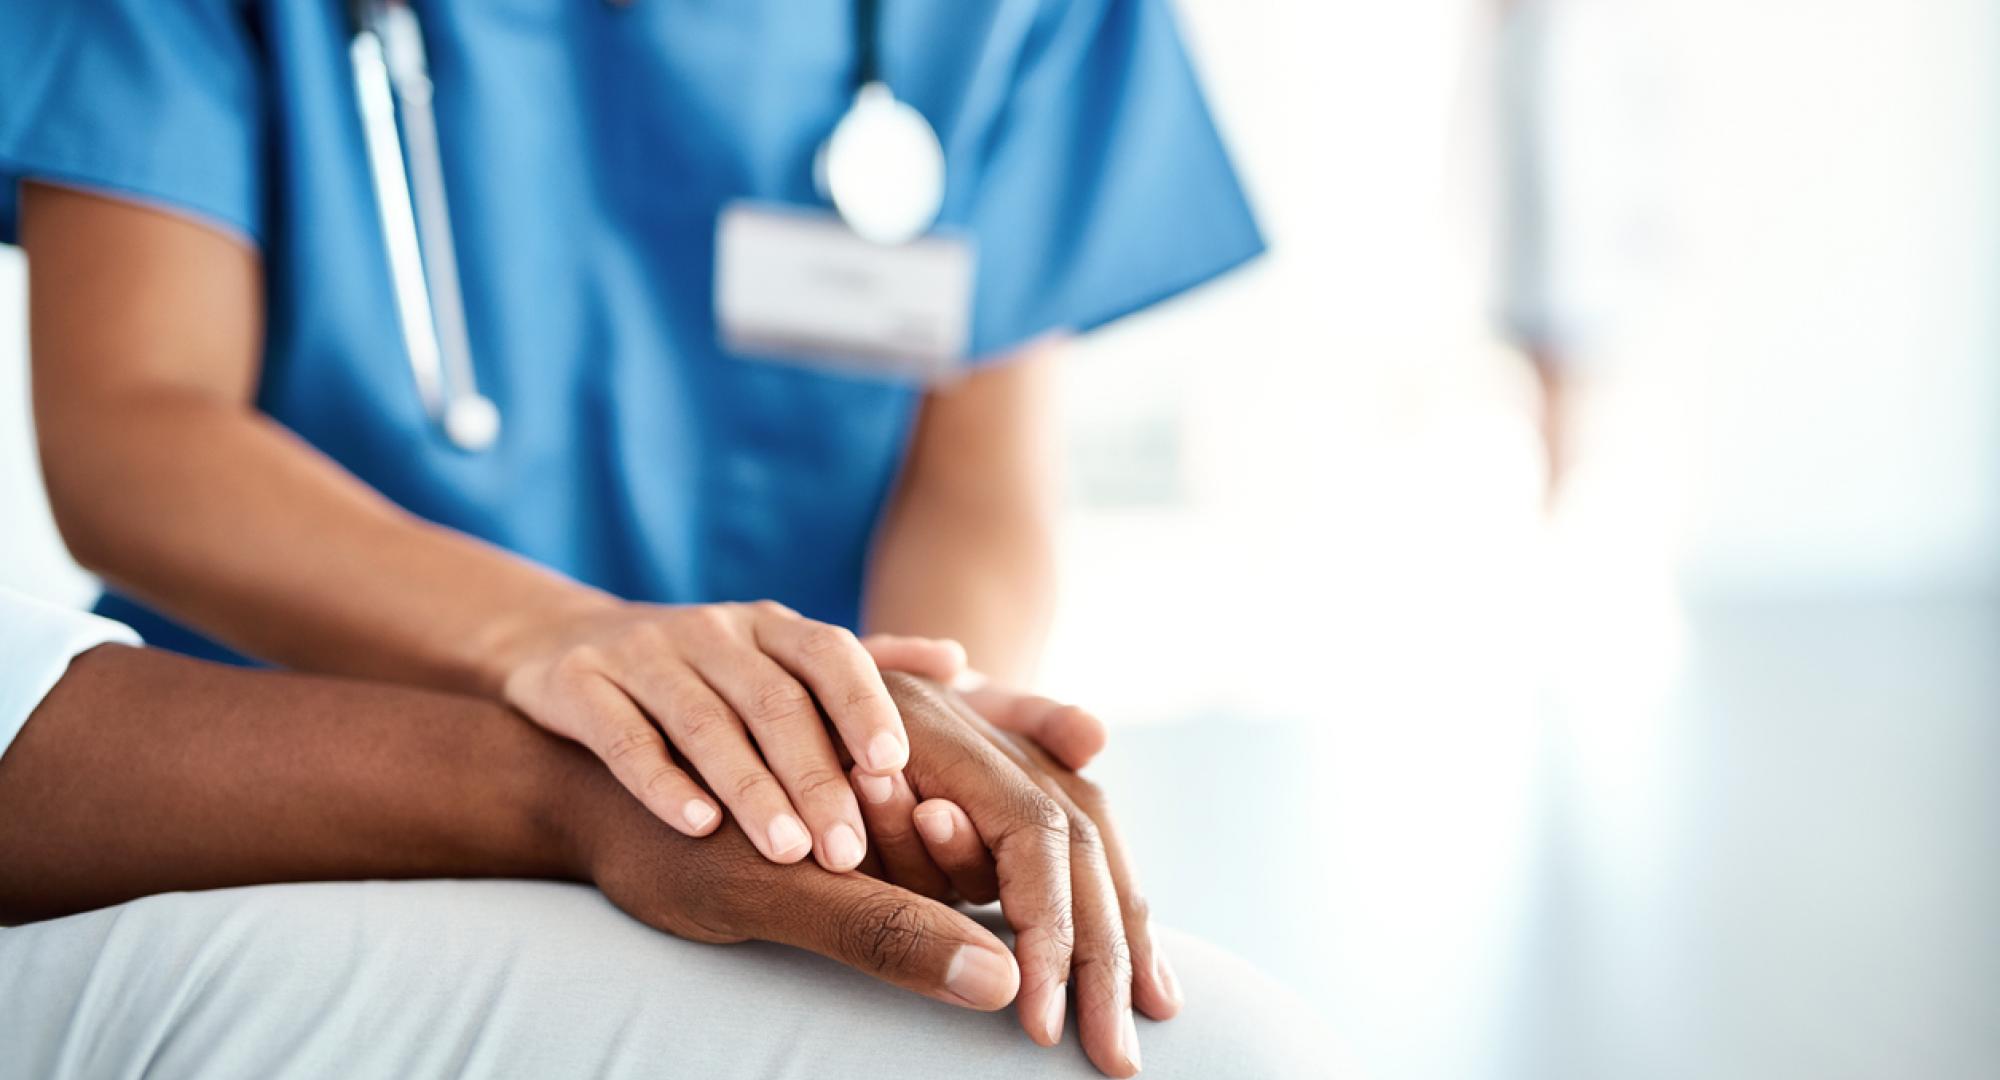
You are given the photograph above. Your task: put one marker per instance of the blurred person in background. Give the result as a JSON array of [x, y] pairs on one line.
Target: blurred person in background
[[1573, 221], [642, 540]]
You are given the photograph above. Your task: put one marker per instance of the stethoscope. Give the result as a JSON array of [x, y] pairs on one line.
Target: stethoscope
[[882, 168]]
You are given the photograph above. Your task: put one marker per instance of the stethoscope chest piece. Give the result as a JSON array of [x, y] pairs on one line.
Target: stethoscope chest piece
[[883, 168], [472, 422]]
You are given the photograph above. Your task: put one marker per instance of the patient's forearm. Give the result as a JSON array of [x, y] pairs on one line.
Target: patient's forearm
[[145, 772]]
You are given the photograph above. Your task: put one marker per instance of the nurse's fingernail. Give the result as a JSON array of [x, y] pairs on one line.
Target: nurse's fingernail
[[886, 753], [843, 848], [787, 836], [936, 824], [876, 789], [981, 979], [699, 814]]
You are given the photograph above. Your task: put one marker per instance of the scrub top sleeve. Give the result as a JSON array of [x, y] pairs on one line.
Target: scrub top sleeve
[[1107, 188], [37, 642], [158, 102]]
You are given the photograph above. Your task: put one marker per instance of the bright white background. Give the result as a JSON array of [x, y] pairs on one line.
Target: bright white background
[[1685, 778], [1799, 393]]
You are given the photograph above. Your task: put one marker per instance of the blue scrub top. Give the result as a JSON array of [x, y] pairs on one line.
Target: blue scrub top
[[589, 147]]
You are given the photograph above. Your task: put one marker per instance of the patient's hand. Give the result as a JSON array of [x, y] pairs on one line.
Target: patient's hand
[[721, 889], [1005, 820], [1031, 833], [1073, 735], [143, 772]]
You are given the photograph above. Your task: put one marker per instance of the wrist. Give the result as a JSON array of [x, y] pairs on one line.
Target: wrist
[[511, 639], [578, 804]]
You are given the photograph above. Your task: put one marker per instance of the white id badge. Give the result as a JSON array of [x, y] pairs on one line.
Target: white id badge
[[798, 285]]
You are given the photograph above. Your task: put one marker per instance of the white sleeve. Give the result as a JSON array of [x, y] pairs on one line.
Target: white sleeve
[[37, 642]]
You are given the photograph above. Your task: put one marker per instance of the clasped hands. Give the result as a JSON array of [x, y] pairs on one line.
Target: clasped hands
[[976, 814]]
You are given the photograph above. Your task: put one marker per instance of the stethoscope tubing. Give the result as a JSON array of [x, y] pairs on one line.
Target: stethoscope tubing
[[406, 169], [393, 86]]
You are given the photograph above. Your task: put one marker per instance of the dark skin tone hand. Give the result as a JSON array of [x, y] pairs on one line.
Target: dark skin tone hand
[[145, 773], [1012, 807]]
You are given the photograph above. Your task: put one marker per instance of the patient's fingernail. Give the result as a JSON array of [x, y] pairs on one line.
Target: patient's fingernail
[[1052, 1013], [980, 978], [1128, 1041], [936, 824], [1163, 973], [699, 814], [787, 835], [843, 847], [875, 789], [886, 753]]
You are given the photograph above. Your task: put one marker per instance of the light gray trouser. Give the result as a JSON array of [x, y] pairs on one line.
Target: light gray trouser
[[533, 979]]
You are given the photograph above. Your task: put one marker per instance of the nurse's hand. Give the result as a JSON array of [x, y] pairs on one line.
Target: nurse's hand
[[1074, 735], [737, 690]]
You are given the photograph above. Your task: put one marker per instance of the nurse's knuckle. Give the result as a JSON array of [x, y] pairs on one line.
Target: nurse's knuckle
[[648, 638], [662, 782], [712, 620], [782, 703], [753, 785], [820, 785], [702, 723], [771, 609], [631, 745], [824, 641], [577, 664], [863, 698]]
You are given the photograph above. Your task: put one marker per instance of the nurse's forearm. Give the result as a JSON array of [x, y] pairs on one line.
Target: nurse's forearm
[[984, 579], [145, 773], [166, 480], [223, 519], [965, 549]]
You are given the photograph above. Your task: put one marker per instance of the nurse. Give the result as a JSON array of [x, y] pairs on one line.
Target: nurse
[[665, 545]]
